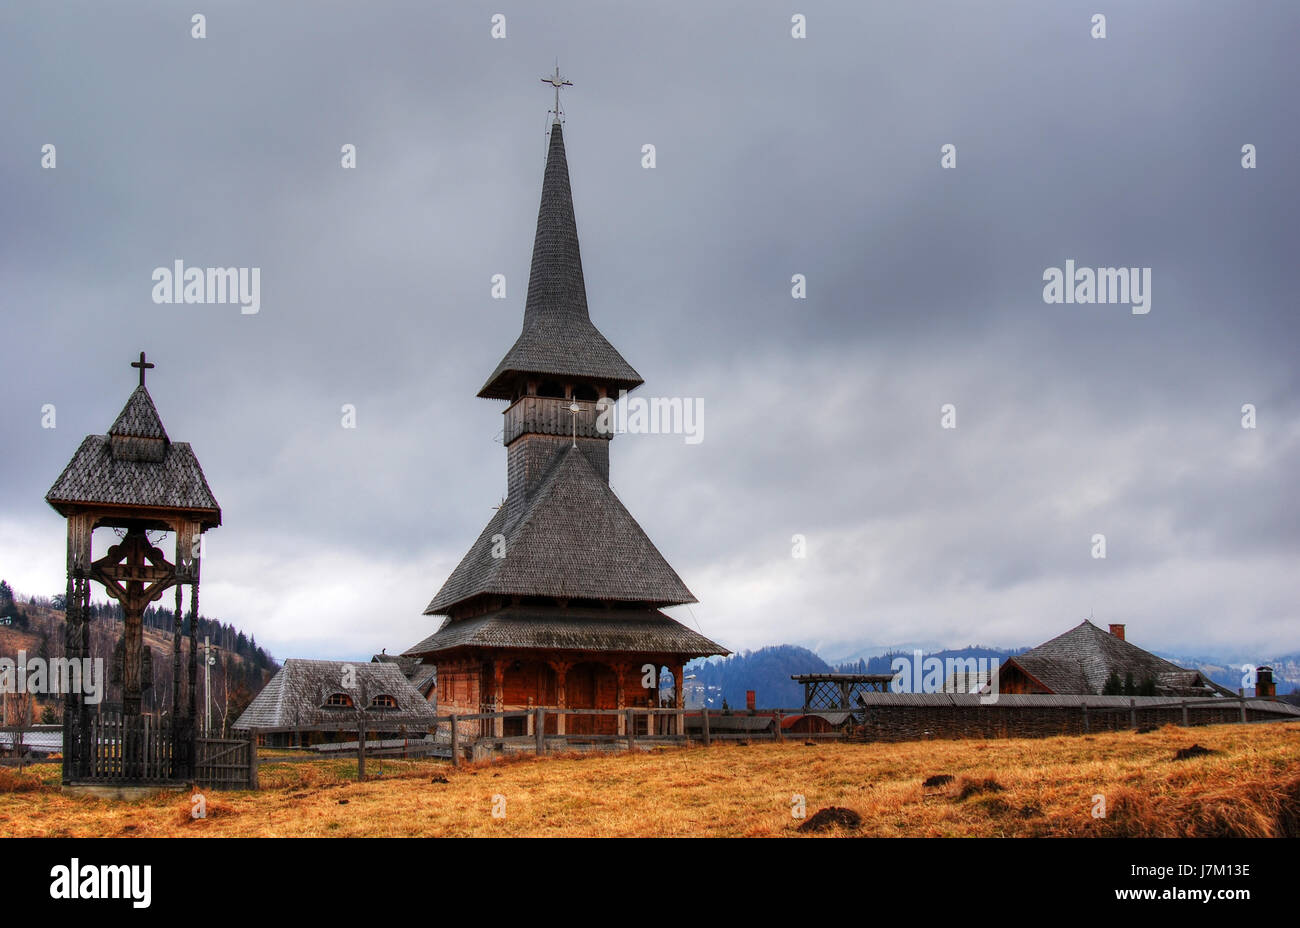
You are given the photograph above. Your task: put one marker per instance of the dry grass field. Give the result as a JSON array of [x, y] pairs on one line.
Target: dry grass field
[[1249, 786]]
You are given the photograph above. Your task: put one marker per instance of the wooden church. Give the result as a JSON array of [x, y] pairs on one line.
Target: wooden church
[[557, 604]]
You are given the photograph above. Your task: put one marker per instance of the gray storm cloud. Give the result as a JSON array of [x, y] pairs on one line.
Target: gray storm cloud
[[775, 157]]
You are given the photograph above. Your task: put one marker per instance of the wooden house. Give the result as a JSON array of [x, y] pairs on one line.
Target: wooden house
[[1082, 660], [557, 604], [308, 702]]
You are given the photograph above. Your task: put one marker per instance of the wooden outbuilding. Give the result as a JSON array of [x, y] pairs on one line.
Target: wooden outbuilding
[[308, 702], [1082, 660]]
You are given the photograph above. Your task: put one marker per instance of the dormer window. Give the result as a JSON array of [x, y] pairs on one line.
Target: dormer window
[[338, 701], [383, 701]]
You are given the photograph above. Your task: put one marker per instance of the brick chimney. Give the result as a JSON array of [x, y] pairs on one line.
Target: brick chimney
[[1117, 631], [1264, 685], [751, 700]]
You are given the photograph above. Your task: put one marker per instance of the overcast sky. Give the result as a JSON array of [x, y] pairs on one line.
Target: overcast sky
[[775, 156]]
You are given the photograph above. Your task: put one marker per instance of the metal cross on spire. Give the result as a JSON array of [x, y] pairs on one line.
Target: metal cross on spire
[[557, 82], [143, 365]]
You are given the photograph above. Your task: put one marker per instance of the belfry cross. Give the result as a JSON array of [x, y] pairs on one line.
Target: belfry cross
[[143, 365], [557, 82]]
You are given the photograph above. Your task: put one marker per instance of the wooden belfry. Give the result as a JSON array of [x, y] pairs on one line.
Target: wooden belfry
[[136, 480]]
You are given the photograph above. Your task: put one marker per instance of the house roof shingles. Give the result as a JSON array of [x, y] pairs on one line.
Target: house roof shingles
[[1080, 660], [294, 696]]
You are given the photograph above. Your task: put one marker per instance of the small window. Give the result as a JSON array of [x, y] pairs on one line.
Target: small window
[[585, 393], [383, 701], [551, 388], [338, 701]]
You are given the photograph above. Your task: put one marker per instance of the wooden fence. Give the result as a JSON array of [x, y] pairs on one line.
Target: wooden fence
[[878, 722], [139, 750], [128, 748]]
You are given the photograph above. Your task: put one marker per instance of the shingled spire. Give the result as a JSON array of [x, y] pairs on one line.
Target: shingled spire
[[558, 339]]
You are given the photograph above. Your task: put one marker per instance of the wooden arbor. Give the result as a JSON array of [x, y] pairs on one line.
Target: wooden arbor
[[839, 690], [135, 480]]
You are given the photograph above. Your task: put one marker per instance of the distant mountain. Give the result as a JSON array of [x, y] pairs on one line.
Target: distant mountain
[[767, 671], [1229, 673], [884, 663]]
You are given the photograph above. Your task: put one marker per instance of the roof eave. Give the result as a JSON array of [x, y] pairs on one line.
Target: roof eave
[[443, 607], [210, 518], [499, 385]]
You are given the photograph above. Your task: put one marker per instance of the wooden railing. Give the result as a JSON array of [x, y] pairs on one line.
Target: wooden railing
[[664, 726]]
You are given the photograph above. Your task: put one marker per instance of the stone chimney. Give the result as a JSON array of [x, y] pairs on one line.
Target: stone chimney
[[1264, 685], [751, 700], [1117, 631]]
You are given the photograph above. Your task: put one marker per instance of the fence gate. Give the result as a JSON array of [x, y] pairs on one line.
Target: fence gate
[[226, 763]]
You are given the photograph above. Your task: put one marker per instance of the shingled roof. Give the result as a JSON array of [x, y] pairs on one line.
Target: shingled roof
[[1080, 660], [573, 540], [424, 677], [139, 418], [137, 465], [297, 693], [549, 627], [558, 337]]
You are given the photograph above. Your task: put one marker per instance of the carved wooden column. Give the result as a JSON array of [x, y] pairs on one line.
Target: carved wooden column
[[677, 699], [191, 722], [176, 654], [76, 713], [561, 669], [498, 696], [620, 671], [187, 539]]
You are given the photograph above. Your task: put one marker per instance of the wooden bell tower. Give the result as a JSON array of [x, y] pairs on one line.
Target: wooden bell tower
[[135, 480]]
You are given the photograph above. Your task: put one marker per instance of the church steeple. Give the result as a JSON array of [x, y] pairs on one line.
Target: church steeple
[[562, 581], [558, 341], [556, 288]]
